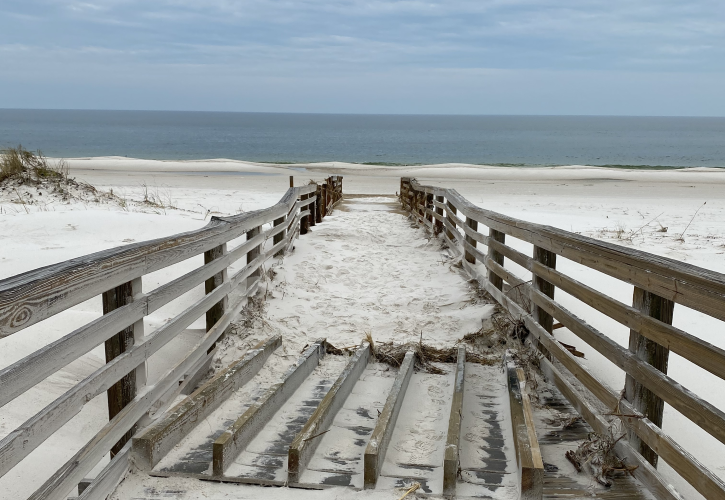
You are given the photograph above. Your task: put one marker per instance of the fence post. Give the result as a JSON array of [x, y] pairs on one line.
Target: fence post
[[312, 218], [253, 254], [217, 310], [547, 259], [324, 200], [649, 351], [318, 203], [438, 223], [429, 206], [304, 221], [451, 209], [473, 224], [495, 256], [291, 181], [124, 391], [279, 236]]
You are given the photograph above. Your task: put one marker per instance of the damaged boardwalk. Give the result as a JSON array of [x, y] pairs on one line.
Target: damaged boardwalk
[[323, 383]]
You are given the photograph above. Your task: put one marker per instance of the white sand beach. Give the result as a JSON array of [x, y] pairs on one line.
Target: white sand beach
[[651, 210]]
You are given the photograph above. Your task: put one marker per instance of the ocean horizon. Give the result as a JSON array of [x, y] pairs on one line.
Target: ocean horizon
[[392, 140]]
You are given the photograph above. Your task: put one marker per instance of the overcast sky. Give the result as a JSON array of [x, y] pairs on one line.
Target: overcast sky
[[625, 57]]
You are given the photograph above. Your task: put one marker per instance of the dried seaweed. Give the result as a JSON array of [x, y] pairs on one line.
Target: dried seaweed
[[597, 455]]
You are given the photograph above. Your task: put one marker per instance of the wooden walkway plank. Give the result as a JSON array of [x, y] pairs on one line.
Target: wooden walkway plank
[[154, 442], [451, 457], [235, 439], [306, 442], [528, 455], [380, 439]]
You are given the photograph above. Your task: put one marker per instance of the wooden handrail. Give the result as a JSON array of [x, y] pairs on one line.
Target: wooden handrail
[[692, 286], [36, 295]]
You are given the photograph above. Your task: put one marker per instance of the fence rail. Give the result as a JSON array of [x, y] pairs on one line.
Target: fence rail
[[117, 275], [659, 283]]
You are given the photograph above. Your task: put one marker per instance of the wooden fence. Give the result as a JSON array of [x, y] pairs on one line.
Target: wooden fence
[[659, 284], [117, 274]]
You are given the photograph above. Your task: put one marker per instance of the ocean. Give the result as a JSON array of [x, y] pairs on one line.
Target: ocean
[[530, 141]]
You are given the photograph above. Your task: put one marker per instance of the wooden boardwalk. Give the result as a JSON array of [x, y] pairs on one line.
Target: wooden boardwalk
[[314, 420]]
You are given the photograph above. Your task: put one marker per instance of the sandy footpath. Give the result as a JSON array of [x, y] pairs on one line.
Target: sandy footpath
[[630, 208]]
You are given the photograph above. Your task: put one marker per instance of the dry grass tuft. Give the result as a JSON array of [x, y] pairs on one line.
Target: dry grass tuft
[[19, 163]]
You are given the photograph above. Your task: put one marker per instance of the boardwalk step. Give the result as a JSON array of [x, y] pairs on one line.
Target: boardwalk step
[[304, 445], [151, 445], [246, 427]]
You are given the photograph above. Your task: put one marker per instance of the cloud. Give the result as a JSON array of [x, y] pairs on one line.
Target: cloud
[[319, 38]]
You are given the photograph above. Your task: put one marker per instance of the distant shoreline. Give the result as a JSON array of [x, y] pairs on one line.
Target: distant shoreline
[[104, 162]]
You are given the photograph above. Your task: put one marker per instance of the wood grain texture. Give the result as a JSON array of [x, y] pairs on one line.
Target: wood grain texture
[[67, 477], [305, 443], [154, 442], [242, 431], [451, 454], [377, 447]]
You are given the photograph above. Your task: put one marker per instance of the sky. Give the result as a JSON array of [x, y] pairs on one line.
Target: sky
[[600, 57]]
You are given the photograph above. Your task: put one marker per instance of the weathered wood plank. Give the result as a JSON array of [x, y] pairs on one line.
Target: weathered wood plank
[[451, 455], [237, 437], [380, 438], [692, 286], [305, 443], [644, 472], [154, 442], [680, 460], [641, 398], [67, 477], [33, 432], [528, 456], [694, 349], [699, 411], [30, 297], [107, 480], [122, 392]]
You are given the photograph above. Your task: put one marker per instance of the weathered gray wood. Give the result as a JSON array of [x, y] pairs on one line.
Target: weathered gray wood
[[33, 432], [696, 350], [438, 203], [699, 411], [67, 477], [451, 458], [103, 485], [452, 232], [242, 431], [27, 372], [475, 253], [305, 443], [692, 286], [704, 414], [473, 225], [217, 310], [122, 392], [548, 259], [304, 221], [380, 439], [253, 254], [33, 296], [495, 256], [642, 399], [644, 472], [680, 460], [528, 454], [153, 443], [450, 214]]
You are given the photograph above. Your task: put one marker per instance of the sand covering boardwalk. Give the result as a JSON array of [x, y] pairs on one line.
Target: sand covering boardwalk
[[366, 269]]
